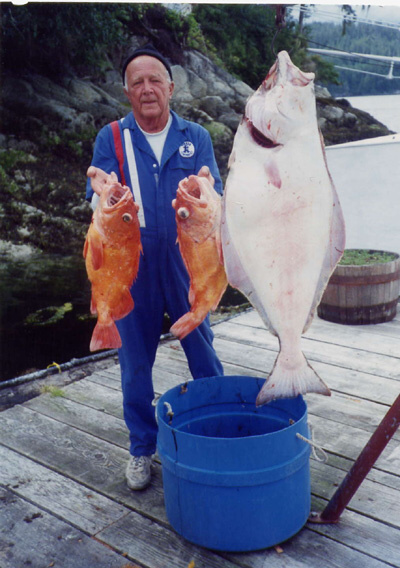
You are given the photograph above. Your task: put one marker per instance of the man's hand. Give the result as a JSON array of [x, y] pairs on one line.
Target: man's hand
[[99, 179], [205, 172]]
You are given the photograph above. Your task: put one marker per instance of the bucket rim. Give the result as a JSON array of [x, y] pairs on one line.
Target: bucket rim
[[167, 419]]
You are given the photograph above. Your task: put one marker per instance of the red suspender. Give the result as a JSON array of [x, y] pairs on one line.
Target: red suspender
[[118, 148]]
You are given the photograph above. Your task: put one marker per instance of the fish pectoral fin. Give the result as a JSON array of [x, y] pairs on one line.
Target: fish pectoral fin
[[192, 296], [93, 306], [95, 246], [187, 323], [125, 306], [86, 246]]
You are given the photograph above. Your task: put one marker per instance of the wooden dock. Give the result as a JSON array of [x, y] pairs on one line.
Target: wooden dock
[[64, 502]]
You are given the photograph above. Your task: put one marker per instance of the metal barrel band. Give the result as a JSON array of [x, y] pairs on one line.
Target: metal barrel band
[[363, 279]]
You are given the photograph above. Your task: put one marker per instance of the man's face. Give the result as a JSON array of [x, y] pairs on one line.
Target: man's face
[[149, 92]]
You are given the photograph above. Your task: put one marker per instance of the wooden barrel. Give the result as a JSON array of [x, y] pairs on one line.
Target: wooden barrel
[[362, 294]]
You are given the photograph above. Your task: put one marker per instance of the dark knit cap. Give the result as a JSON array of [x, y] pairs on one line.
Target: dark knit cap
[[147, 49]]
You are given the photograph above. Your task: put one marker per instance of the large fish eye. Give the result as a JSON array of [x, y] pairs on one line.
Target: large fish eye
[[183, 212], [127, 218]]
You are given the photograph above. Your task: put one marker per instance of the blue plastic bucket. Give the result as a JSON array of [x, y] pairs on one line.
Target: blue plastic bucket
[[236, 477]]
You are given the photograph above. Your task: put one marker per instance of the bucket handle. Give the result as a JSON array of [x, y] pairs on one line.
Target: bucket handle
[[323, 458], [169, 412]]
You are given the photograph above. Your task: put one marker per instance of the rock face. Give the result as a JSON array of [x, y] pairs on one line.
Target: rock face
[[49, 129]]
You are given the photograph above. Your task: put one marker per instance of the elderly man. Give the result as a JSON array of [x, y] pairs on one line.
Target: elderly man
[[151, 150]]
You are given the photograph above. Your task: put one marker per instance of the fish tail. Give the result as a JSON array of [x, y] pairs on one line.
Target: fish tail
[[184, 325], [105, 336], [289, 382]]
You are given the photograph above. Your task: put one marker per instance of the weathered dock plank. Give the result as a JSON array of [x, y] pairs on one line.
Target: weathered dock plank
[[362, 533], [157, 546], [350, 411], [59, 495], [372, 499], [29, 536], [305, 550], [63, 459], [84, 458], [257, 360], [96, 396], [335, 332], [348, 442], [173, 551], [349, 358], [102, 422], [109, 463]]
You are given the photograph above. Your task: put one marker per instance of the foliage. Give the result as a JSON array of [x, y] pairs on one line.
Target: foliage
[[73, 145], [48, 316], [359, 38], [52, 390], [325, 73], [53, 37], [9, 159], [242, 35], [360, 257], [58, 38]]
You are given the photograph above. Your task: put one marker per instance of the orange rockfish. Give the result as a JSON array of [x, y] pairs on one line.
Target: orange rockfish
[[112, 252], [198, 216], [282, 226]]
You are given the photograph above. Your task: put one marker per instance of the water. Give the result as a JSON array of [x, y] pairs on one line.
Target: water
[[44, 312], [385, 108]]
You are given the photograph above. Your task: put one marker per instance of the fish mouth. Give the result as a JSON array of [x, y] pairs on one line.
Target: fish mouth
[[191, 191], [259, 137], [116, 197], [283, 70]]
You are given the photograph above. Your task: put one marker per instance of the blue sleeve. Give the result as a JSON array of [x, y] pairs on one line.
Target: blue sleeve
[[104, 156], [206, 157]]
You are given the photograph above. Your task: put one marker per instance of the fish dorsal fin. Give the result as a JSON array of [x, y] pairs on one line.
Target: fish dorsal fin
[[337, 241], [95, 246]]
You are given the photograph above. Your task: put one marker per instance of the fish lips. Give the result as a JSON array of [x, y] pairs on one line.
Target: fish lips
[[190, 192], [280, 104], [115, 197], [284, 71]]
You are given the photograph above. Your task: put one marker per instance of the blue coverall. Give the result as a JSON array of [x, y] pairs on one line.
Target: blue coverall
[[162, 284]]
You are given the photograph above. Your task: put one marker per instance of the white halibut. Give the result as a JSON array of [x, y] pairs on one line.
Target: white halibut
[[282, 226]]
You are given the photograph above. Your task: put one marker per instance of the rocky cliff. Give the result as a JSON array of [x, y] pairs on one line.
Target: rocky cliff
[[48, 130]]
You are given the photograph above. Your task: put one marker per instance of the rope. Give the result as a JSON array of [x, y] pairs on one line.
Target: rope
[[170, 412], [314, 446], [169, 409]]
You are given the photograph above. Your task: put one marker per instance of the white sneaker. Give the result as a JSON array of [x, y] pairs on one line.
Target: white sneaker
[[138, 472]]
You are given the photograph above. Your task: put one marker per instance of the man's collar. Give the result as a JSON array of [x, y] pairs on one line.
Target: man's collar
[[178, 123]]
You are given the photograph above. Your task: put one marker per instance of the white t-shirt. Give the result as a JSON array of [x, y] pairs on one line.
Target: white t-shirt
[[157, 139]]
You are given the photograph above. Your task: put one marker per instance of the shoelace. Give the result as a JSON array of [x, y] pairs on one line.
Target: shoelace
[[138, 462]]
